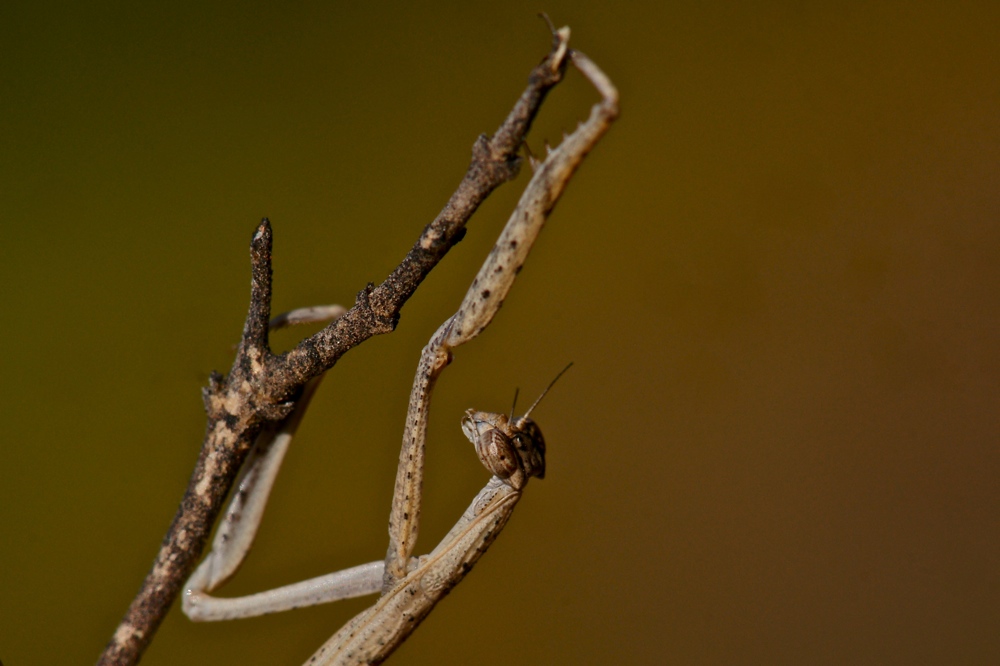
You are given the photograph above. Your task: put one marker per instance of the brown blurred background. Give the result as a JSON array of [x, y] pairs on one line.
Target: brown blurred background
[[778, 277]]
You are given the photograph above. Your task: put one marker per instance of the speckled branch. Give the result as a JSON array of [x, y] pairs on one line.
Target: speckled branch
[[261, 388]]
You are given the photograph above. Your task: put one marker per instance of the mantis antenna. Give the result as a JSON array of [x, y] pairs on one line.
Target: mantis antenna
[[551, 384]]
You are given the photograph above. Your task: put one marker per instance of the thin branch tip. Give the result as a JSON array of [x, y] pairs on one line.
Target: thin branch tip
[[260, 252], [559, 35], [555, 62], [259, 313], [263, 235], [260, 249], [561, 43]]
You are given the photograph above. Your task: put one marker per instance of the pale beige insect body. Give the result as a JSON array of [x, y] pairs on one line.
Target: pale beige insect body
[[513, 450]]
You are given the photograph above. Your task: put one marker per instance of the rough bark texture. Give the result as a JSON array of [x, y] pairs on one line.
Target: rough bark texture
[[262, 388]]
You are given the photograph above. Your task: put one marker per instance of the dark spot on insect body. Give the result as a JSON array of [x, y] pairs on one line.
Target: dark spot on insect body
[[231, 420], [518, 269], [406, 516], [486, 293], [498, 269], [513, 243]]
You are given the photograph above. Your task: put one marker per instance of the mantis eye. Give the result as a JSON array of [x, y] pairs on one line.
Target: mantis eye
[[530, 445], [497, 453]]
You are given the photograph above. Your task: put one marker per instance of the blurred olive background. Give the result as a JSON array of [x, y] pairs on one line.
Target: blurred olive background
[[778, 277]]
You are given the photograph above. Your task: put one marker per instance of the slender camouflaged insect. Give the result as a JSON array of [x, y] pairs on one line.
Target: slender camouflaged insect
[[511, 449]]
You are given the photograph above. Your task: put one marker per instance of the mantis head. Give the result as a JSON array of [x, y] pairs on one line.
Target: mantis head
[[513, 451], [511, 448]]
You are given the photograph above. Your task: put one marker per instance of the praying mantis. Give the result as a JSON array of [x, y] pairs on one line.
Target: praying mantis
[[512, 449]]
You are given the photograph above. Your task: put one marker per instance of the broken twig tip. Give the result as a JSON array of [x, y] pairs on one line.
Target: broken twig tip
[[262, 237], [560, 41], [255, 328], [560, 38]]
